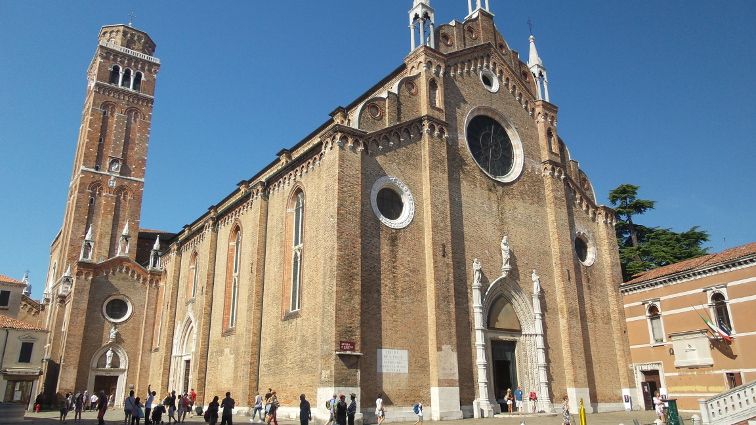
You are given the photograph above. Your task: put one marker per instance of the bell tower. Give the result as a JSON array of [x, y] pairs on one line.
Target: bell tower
[[105, 193]]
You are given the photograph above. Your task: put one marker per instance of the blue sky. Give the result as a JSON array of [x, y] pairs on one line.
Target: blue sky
[[654, 93]]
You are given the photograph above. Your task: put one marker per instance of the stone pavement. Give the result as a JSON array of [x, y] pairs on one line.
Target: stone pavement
[[115, 417]]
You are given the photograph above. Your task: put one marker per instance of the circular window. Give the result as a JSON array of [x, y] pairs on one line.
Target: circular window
[[392, 202], [489, 80], [494, 144], [375, 111], [446, 39], [117, 309], [411, 87], [584, 249]]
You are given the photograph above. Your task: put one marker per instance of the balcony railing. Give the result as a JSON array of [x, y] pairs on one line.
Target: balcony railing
[[130, 52], [730, 407]]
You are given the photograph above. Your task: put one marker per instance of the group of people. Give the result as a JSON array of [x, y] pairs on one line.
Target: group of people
[[339, 411], [80, 402], [152, 411], [513, 401], [266, 408]]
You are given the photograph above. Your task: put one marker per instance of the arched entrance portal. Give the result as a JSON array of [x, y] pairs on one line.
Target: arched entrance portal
[[181, 378], [107, 372]]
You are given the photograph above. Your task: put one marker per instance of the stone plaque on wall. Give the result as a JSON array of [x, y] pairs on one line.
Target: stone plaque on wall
[[392, 361], [691, 349]]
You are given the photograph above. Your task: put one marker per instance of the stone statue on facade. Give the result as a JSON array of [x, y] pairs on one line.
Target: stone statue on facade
[[536, 282], [113, 333], [506, 254], [477, 272], [109, 359]]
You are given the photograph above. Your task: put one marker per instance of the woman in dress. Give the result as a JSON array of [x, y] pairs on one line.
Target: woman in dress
[[380, 413], [509, 400], [565, 411]]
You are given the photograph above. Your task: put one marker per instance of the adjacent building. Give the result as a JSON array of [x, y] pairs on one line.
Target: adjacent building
[[432, 240], [672, 347]]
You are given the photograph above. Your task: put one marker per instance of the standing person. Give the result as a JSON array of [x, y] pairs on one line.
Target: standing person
[[86, 400], [65, 406], [331, 406], [192, 400], [565, 411], [268, 395], [93, 401], [419, 412], [258, 408], [659, 406], [533, 397], [274, 404], [102, 407], [170, 403], [148, 405], [137, 412], [380, 413], [212, 411], [508, 397], [305, 415], [78, 406], [228, 409], [128, 407], [341, 410], [352, 409], [518, 399], [183, 401]]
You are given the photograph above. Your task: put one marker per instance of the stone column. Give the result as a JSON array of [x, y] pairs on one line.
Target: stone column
[[484, 407], [544, 401], [205, 315]]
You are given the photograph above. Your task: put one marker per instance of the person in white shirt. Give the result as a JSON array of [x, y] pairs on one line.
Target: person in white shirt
[[93, 402], [380, 412], [148, 404], [419, 412], [332, 409]]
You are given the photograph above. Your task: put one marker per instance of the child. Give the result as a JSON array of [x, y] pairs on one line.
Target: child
[[418, 409], [157, 414]]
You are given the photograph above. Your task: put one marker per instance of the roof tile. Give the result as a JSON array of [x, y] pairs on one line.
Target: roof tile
[[11, 323]]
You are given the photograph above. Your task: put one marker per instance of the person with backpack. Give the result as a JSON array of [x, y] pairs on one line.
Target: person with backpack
[[352, 409], [258, 411], [341, 410], [418, 409], [331, 406], [274, 404], [305, 414], [228, 405]]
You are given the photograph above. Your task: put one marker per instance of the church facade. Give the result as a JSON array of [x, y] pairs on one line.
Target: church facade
[[432, 241]]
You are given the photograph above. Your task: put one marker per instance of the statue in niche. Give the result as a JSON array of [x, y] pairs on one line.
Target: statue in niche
[[113, 333], [477, 272], [109, 359], [536, 282], [506, 254]]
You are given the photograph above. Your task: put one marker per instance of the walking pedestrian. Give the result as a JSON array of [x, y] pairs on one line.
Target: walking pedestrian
[[212, 411], [268, 395], [659, 406], [380, 413], [352, 409], [128, 407], [305, 414], [518, 399], [258, 411], [533, 397], [274, 404], [228, 409], [102, 407], [418, 409], [86, 400], [78, 406], [192, 400], [331, 406], [565, 411], [183, 406], [170, 404], [341, 410]]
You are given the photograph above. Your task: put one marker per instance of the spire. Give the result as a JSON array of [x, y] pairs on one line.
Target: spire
[[125, 229], [123, 242], [67, 273], [155, 255], [478, 5], [539, 71], [422, 24], [25, 281], [88, 237], [156, 246], [87, 246]]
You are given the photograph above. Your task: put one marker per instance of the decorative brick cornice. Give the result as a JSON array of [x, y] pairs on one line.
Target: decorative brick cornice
[[123, 94], [688, 275], [117, 265], [581, 200], [392, 137]]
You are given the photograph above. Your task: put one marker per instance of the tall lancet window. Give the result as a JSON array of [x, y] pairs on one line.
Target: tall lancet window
[[194, 274], [232, 278], [296, 254]]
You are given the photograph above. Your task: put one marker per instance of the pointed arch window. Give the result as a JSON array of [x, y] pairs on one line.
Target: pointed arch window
[[655, 324], [126, 80], [233, 267], [433, 93], [721, 312], [137, 81], [115, 74], [296, 251]]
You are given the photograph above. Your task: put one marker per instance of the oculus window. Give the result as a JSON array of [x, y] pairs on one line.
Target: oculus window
[[392, 202], [490, 146], [117, 309]]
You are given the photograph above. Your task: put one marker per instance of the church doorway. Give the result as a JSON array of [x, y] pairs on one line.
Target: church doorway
[[108, 384], [504, 367], [187, 372]]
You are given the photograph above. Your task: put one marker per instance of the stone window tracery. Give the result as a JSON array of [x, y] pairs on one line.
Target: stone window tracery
[[297, 245], [233, 267]]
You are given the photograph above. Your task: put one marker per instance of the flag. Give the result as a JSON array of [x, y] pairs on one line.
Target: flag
[[716, 330]]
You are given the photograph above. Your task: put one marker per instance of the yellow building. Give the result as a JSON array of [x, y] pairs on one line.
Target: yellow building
[[672, 348]]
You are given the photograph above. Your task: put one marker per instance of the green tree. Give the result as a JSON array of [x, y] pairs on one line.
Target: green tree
[[644, 248]]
